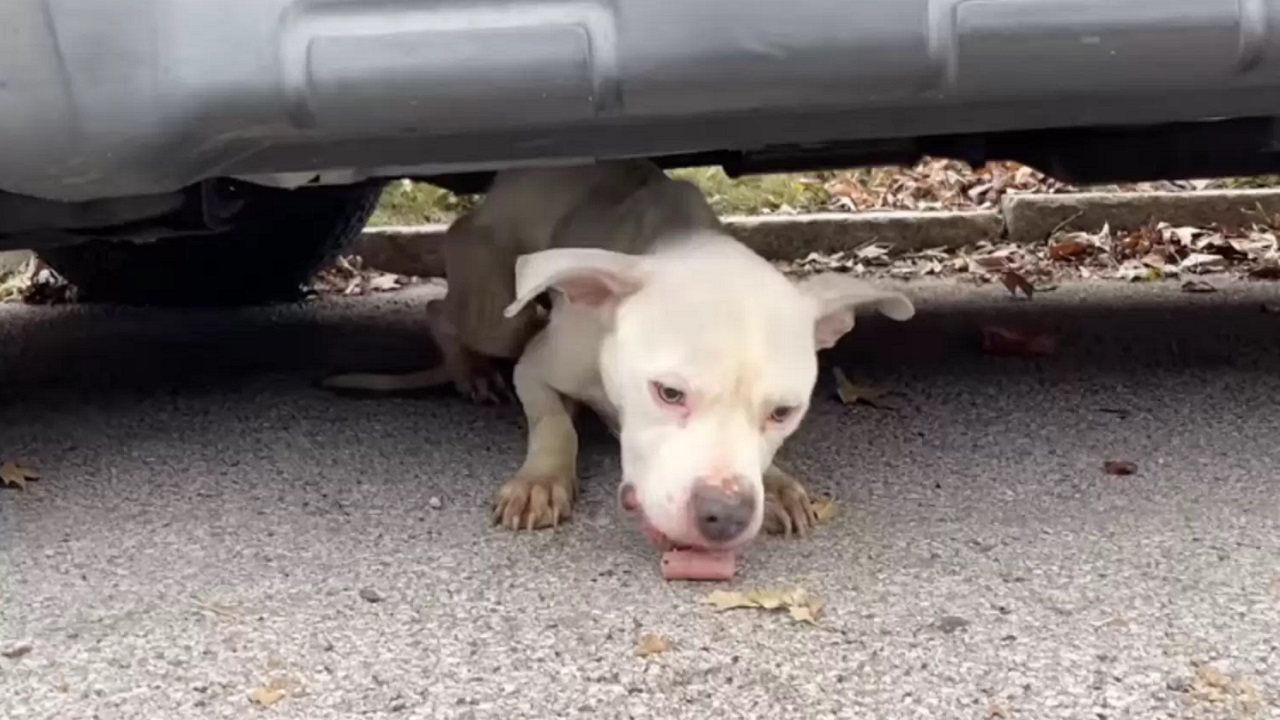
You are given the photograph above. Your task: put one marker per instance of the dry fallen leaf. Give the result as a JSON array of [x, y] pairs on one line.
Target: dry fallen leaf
[[1014, 282], [1117, 623], [851, 394], [1184, 235], [766, 599], [275, 690], [1215, 686], [806, 613], [727, 600], [214, 608], [12, 285], [824, 508], [652, 644], [14, 475], [384, 282], [266, 696], [1198, 286], [1120, 467], [872, 252], [1071, 247], [14, 652], [1212, 676], [799, 603], [37, 284], [988, 263], [1011, 343], [1202, 261], [1136, 270]]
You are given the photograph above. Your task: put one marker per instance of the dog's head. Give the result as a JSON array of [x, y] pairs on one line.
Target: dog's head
[[710, 359]]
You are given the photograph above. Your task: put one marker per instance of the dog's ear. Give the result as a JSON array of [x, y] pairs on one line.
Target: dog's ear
[[588, 276], [838, 296]]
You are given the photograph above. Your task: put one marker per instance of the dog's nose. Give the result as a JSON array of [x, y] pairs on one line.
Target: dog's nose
[[722, 508]]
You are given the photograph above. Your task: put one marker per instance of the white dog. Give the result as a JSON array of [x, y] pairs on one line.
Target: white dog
[[698, 352]]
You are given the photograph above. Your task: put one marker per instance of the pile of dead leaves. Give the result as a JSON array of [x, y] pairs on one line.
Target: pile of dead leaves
[[941, 184], [36, 284], [936, 184], [348, 276], [1154, 252], [1162, 251]]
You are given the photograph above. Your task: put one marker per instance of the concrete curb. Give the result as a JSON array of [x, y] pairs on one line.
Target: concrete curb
[[1030, 218], [1022, 219]]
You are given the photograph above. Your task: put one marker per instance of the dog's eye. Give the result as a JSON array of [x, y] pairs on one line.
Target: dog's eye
[[781, 413], [668, 394]]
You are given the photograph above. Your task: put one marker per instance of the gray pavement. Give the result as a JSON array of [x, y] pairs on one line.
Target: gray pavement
[[208, 523]]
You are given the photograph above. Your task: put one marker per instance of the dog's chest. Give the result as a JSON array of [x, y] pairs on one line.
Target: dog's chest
[[588, 389], [568, 358]]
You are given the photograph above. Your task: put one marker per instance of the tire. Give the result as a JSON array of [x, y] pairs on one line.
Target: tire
[[279, 239]]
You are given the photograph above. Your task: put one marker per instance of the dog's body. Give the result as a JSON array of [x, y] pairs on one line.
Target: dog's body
[[698, 352]]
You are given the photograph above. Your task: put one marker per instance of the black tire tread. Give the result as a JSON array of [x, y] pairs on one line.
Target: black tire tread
[[278, 242]]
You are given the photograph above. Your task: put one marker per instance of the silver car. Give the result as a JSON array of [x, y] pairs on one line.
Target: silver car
[[147, 145]]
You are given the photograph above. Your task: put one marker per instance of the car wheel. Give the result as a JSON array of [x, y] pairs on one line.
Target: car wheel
[[278, 240]]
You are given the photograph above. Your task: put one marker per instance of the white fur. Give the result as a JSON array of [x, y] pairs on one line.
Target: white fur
[[685, 304]]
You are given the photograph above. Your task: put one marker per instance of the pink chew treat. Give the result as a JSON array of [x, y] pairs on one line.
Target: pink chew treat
[[698, 565], [682, 563]]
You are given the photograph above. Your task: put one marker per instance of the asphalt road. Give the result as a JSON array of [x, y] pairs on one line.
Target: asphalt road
[[208, 523]]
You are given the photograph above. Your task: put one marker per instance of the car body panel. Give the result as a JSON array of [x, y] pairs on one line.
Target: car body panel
[[119, 98]]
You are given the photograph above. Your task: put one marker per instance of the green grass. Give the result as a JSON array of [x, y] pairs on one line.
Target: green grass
[[753, 194], [406, 203], [417, 203], [1254, 182]]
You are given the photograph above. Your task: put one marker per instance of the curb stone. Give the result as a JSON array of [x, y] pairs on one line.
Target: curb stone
[[403, 249], [1021, 219], [786, 237], [1031, 218]]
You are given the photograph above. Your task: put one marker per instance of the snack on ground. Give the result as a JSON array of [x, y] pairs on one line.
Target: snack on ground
[[683, 563], [698, 565]]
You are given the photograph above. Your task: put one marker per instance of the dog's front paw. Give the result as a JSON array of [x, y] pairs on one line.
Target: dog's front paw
[[533, 502], [787, 508]]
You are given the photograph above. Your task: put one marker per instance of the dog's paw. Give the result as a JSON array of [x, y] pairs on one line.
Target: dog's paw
[[487, 390], [533, 502], [787, 508], [480, 380]]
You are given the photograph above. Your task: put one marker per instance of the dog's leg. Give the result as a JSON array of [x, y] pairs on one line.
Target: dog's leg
[[542, 492], [469, 325], [472, 374], [787, 507]]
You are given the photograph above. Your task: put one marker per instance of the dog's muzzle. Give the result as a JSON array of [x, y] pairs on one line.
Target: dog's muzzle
[[721, 511], [722, 508]]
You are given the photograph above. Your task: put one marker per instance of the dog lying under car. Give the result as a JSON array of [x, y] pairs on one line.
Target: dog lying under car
[[615, 287]]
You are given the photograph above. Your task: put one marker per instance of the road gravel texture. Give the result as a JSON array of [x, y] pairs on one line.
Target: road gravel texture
[[214, 537]]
